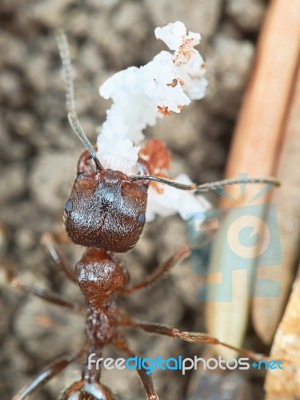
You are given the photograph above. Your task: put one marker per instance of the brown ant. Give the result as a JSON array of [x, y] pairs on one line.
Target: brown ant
[[106, 213]]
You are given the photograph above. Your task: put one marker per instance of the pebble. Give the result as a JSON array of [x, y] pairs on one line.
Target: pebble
[[199, 16], [212, 385], [247, 14], [183, 131], [130, 20], [228, 74], [48, 12], [51, 179], [99, 5], [39, 325], [12, 50], [10, 87], [12, 183]]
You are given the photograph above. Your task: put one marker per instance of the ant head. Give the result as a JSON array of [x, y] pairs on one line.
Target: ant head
[[99, 275], [105, 210]]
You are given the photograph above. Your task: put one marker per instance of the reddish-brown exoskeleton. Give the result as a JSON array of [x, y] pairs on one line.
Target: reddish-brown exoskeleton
[[106, 210], [106, 214]]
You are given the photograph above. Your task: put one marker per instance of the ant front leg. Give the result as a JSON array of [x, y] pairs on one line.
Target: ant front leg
[[146, 380], [46, 374], [159, 272], [192, 337], [49, 242]]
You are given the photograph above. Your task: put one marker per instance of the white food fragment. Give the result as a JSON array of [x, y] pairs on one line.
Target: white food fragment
[[174, 35], [142, 95], [173, 201]]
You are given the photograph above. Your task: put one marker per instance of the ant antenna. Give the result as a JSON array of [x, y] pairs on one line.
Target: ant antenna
[[75, 125], [64, 53], [207, 187]]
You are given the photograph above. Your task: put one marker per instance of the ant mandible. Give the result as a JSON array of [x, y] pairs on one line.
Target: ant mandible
[[106, 213]]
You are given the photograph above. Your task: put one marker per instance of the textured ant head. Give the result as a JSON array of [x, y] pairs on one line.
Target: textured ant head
[[105, 210]]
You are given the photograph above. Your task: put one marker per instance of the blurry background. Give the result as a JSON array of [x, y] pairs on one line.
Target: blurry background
[[38, 155]]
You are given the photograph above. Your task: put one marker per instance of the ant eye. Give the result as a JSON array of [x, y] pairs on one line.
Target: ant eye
[[68, 206], [142, 219]]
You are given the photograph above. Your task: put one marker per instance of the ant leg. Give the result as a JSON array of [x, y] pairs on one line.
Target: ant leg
[[46, 374], [159, 271], [192, 337], [146, 380], [49, 243], [46, 295]]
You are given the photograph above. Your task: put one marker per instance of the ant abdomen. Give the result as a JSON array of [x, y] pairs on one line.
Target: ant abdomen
[[105, 210], [84, 391]]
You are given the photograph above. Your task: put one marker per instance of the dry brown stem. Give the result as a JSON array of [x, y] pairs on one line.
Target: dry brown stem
[[256, 147]]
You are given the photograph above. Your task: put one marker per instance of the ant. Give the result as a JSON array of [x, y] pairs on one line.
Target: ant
[[106, 214]]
